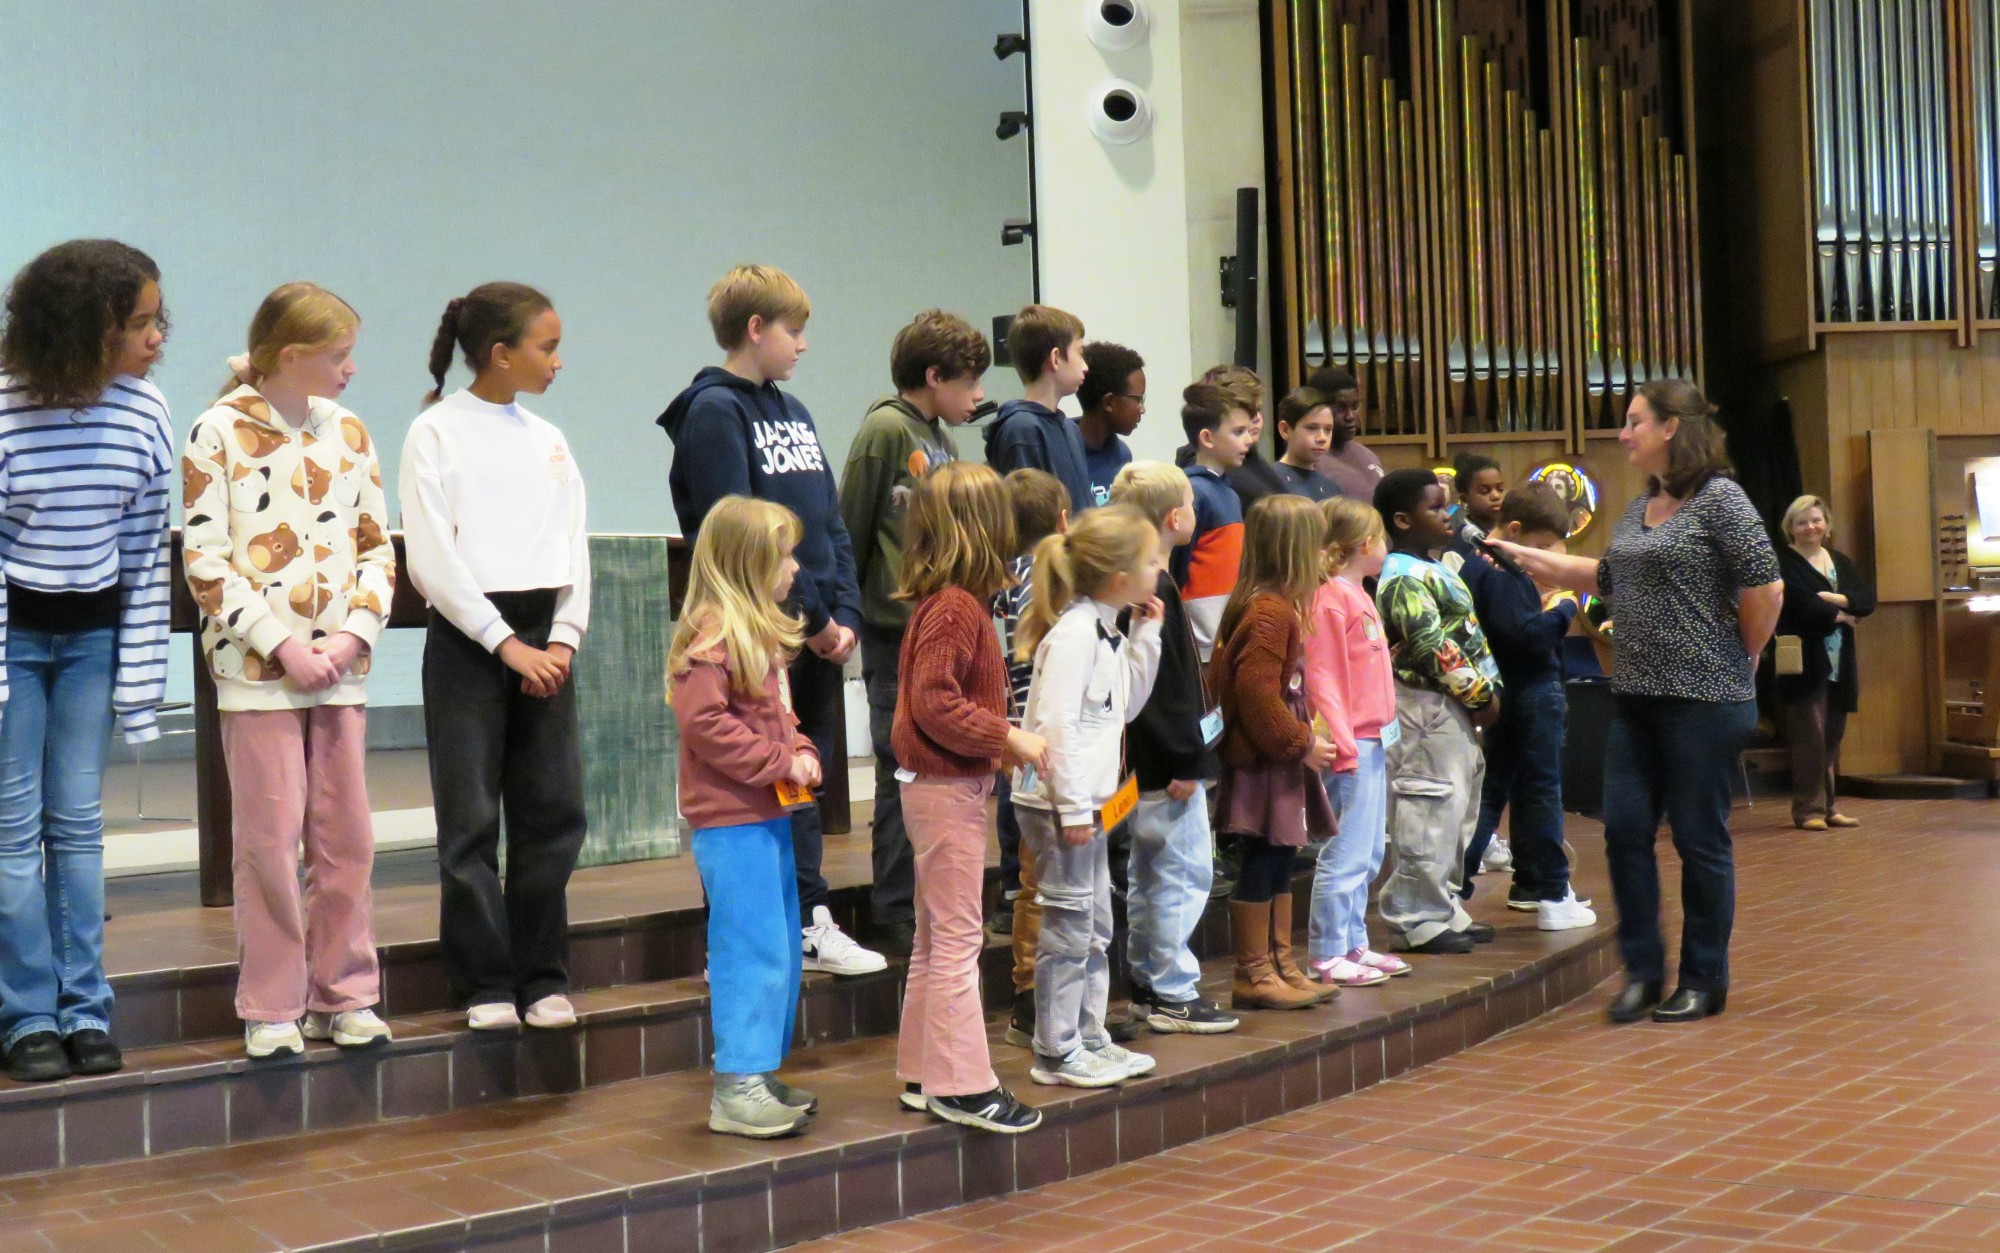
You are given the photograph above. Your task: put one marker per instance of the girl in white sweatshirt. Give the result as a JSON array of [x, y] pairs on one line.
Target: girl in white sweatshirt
[[493, 528], [1089, 680]]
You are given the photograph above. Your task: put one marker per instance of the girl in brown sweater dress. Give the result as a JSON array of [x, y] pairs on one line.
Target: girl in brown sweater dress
[[1272, 756]]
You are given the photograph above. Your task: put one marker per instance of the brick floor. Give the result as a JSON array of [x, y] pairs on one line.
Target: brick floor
[[1849, 1099]]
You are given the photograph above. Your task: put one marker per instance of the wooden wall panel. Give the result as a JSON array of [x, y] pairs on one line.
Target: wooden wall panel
[[1905, 532], [1891, 730]]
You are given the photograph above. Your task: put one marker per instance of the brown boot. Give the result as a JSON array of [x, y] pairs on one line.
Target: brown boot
[[1281, 952], [1257, 983]]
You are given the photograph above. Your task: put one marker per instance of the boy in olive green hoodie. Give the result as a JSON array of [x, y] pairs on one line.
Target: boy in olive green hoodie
[[935, 363]]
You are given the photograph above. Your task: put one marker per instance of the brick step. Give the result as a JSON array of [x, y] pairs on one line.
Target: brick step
[[175, 1097], [631, 1167]]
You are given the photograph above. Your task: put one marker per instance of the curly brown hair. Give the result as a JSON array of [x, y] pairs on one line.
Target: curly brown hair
[[937, 338], [65, 312]]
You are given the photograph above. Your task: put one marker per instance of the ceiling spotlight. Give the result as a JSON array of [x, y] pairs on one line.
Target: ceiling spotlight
[[1012, 123], [1015, 230], [1007, 45]]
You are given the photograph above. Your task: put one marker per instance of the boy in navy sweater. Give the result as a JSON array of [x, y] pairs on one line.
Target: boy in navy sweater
[[1046, 346], [1524, 749], [735, 433]]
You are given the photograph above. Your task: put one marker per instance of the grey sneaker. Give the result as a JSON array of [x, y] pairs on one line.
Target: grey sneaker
[[350, 1028], [791, 1097], [1133, 1064], [746, 1107], [1081, 1069]]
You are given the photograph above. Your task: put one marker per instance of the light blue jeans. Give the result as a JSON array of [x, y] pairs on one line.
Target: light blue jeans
[[1349, 861], [52, 733], [1171, 869]]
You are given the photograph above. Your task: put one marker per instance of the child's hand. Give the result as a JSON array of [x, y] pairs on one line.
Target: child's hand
[[308, 669], [562, 655], [1320, 756], [1182, 789], [1077, 837], [1485, 717], [341, 648], [804, 770], [1025, 748], [540, 675], [1148, 610], [834, 643]]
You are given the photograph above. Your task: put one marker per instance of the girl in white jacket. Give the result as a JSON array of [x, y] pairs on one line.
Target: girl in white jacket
[[1089, 680]]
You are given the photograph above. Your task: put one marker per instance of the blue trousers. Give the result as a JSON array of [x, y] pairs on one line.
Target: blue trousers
[[753, 942], [1349, 861], [1674, 758], [52, 733], [1171, 870], [1524, 774]]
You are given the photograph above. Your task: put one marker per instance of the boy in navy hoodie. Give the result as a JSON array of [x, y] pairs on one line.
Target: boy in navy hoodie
[[735, 433], [1524, 749], [1046, 346]]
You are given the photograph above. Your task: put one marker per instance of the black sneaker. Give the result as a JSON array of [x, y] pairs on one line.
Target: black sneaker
[[1442, 942], [91, 1052], [912, 1098], [1126, 1029], [38, 1058], [1142, 993], [989, 1111], [1195, 1017], [1001, 921]]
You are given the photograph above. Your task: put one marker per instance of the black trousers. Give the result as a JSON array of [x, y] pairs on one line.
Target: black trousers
[[894, 898], [817, 700], [495, 749]]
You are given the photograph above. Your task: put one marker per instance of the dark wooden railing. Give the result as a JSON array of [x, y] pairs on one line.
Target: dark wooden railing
[[213, 812]]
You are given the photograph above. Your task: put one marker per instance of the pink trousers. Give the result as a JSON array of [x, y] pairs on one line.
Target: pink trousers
[[943, 1041], [297, 775]]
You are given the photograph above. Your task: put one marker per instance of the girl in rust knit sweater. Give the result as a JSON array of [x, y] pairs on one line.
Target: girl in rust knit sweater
[[1272, 755], [950, 735]]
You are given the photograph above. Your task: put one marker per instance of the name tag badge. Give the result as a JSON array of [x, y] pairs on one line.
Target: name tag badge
[[792, 796], [1392, 733], [1211, 727], [905, 775], [1122, 803], [1026, 780]]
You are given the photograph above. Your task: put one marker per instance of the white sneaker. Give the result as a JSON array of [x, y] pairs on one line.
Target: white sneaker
[[1497, 856], [1133, 1064], [552, 1013], [828, 948], [493, 1016], [1081, 1069], [350, 1028], [268, 1039], [1564, 915]]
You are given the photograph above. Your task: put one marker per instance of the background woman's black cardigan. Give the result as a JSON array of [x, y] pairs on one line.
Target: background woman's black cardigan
[[1812, 620]]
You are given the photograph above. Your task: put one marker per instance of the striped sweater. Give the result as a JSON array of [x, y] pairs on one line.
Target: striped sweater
[[83, 507], [1206, 567]]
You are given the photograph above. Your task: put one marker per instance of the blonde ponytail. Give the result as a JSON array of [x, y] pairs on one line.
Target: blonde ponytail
[[297, 315], [1104, 543]]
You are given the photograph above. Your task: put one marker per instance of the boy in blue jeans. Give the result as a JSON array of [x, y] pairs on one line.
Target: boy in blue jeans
[[1524, 750], [1169, 745]]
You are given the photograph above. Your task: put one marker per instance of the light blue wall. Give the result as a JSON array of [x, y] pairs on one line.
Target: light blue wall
[[619, 154]]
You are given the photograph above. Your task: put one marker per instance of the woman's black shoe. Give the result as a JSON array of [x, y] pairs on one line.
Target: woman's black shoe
[[1634, 1002], [1480, 933], [91, 1052], [1691, 1005], [1444, 942], [37, 1058]]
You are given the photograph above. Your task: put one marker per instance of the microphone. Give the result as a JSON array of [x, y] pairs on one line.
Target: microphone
[[1472, 536], [985, 410]]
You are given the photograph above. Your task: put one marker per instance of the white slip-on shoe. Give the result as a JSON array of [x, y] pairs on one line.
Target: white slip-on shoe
[[1564, 915], [493, 1016], [552, 1013]]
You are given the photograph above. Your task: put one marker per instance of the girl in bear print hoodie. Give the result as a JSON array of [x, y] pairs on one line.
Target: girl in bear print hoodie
[[287, 558]]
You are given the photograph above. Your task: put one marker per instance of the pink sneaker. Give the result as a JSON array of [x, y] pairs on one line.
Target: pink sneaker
[[1343, 973], [1379, 961]]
